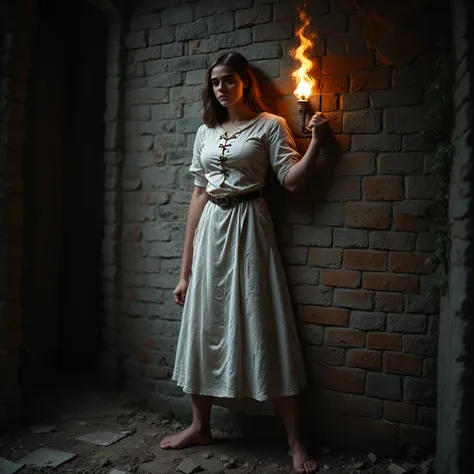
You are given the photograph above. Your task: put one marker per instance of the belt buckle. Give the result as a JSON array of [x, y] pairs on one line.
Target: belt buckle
[[222, 201]]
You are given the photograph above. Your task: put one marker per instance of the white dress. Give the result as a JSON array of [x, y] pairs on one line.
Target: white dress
[[238, 336]]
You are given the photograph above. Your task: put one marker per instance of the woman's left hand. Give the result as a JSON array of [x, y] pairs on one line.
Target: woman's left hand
[[319, 126]]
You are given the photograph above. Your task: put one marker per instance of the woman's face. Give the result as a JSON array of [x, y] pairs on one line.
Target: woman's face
[[227, 86]]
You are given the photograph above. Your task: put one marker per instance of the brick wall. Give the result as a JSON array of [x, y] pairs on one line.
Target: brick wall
[[14, 48], [355, 254]]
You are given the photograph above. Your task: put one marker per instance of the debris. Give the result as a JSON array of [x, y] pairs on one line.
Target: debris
[[117, 471], [395, 469], [42, 429], [358, 465], [372, 457], [224, 458], [326, 467], [189, 466], [104, 438], [44, 457], [206, 455], [8, 467], [271, 468], [427, 466], [82, 423], [325, 450], [151, 434], [232, 464]]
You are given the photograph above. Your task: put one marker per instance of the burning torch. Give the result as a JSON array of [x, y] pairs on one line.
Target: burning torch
[[304, 82]]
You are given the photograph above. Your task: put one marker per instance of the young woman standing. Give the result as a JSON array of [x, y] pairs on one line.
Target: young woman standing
[[238, 336]]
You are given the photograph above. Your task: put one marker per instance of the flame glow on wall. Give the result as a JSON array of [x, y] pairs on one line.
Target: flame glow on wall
[[304, 82]]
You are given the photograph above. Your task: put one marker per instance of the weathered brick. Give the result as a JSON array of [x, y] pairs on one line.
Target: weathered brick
[[370, 80], [344, 379], [419, 391], [367, 321], [296, 255], [391, 282], [365, 260], [330, 258], [326, 355], [421, 345], [354, 101], [314, 295], [145, 54], [176, 15], [161, 36], [417, 143], [172, 50], [145, 22], [409, 223], [362, 121], [384, 386], [201, 46], [402, 364], [313, 334], [256, 15], [410, 262], [325, 316], [334, 84], [400, 163], [298, 275], [364, 359], [343, 337], [166, 111], [159, 178], [378, 143], [329, 102], [347, 44], [311, 235], [383, 341], [399, 412], [192, 31], [421, 304], [280, 30], [426, 242], [330, 23], [232, 40], [342, 278], [352, 404], [355, 164], [329, 214], [344, 189], [147, 96], [392, 241], [419, 435], [396, 98], [346, 64], [351, 238], [368, 215], [383, 188], [343, 141], [420, 187], [166, 80], [389, 302], [404, 119], [257, 51], [357, 299], [269, 67]]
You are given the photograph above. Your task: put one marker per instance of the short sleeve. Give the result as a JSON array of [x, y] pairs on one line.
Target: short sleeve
[[196, 168], [282, 148]]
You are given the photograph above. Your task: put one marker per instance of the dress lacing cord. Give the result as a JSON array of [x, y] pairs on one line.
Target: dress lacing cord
[[223, 158]]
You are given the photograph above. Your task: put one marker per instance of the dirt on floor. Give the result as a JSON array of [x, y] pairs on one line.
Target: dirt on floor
[[139, 451]]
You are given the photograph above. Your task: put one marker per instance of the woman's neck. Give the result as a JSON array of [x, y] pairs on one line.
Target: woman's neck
[[239, 113]]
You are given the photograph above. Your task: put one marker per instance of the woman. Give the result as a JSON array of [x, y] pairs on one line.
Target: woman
[[238, 337]]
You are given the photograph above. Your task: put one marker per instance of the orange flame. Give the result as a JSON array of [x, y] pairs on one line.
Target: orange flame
[[304, 82]]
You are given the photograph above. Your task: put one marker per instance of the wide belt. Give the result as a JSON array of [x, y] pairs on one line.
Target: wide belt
[[229, 201]]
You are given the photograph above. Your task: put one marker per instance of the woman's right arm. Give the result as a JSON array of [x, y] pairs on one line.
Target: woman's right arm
[[196, 207]]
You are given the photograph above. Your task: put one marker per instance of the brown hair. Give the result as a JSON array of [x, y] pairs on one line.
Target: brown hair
[[214, 112]]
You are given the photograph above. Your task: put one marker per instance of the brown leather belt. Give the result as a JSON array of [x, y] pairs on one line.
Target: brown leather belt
[[229, 201]]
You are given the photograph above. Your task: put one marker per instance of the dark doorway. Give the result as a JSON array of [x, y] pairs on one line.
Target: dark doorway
[[63, 184]]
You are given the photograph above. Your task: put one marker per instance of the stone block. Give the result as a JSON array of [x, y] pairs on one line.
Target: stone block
[[376, 143], [177, 15], [135, 40], [257, 15], [407, 323], [161, 36], [354, 101], [280, 30], [192, 31], [388, 387], [366, 321], [363, 121], [396, 98], [404, 119], [351, 238], [222, 23], [419, 391]]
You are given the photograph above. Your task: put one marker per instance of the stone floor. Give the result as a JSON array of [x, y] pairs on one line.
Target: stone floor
[[102, 434]]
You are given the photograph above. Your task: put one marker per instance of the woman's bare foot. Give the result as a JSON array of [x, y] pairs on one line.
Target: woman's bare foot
[[302, 462], [189, 437]]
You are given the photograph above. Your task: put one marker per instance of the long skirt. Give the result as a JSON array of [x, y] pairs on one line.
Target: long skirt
[[238, 335]]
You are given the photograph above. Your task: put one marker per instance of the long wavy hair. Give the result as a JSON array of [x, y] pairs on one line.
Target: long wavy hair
[[214, 112]]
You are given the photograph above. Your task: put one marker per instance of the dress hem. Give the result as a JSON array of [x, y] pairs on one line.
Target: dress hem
[[226, 395]]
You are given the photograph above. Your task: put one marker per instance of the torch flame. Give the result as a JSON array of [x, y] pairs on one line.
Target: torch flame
[[304, 83]]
